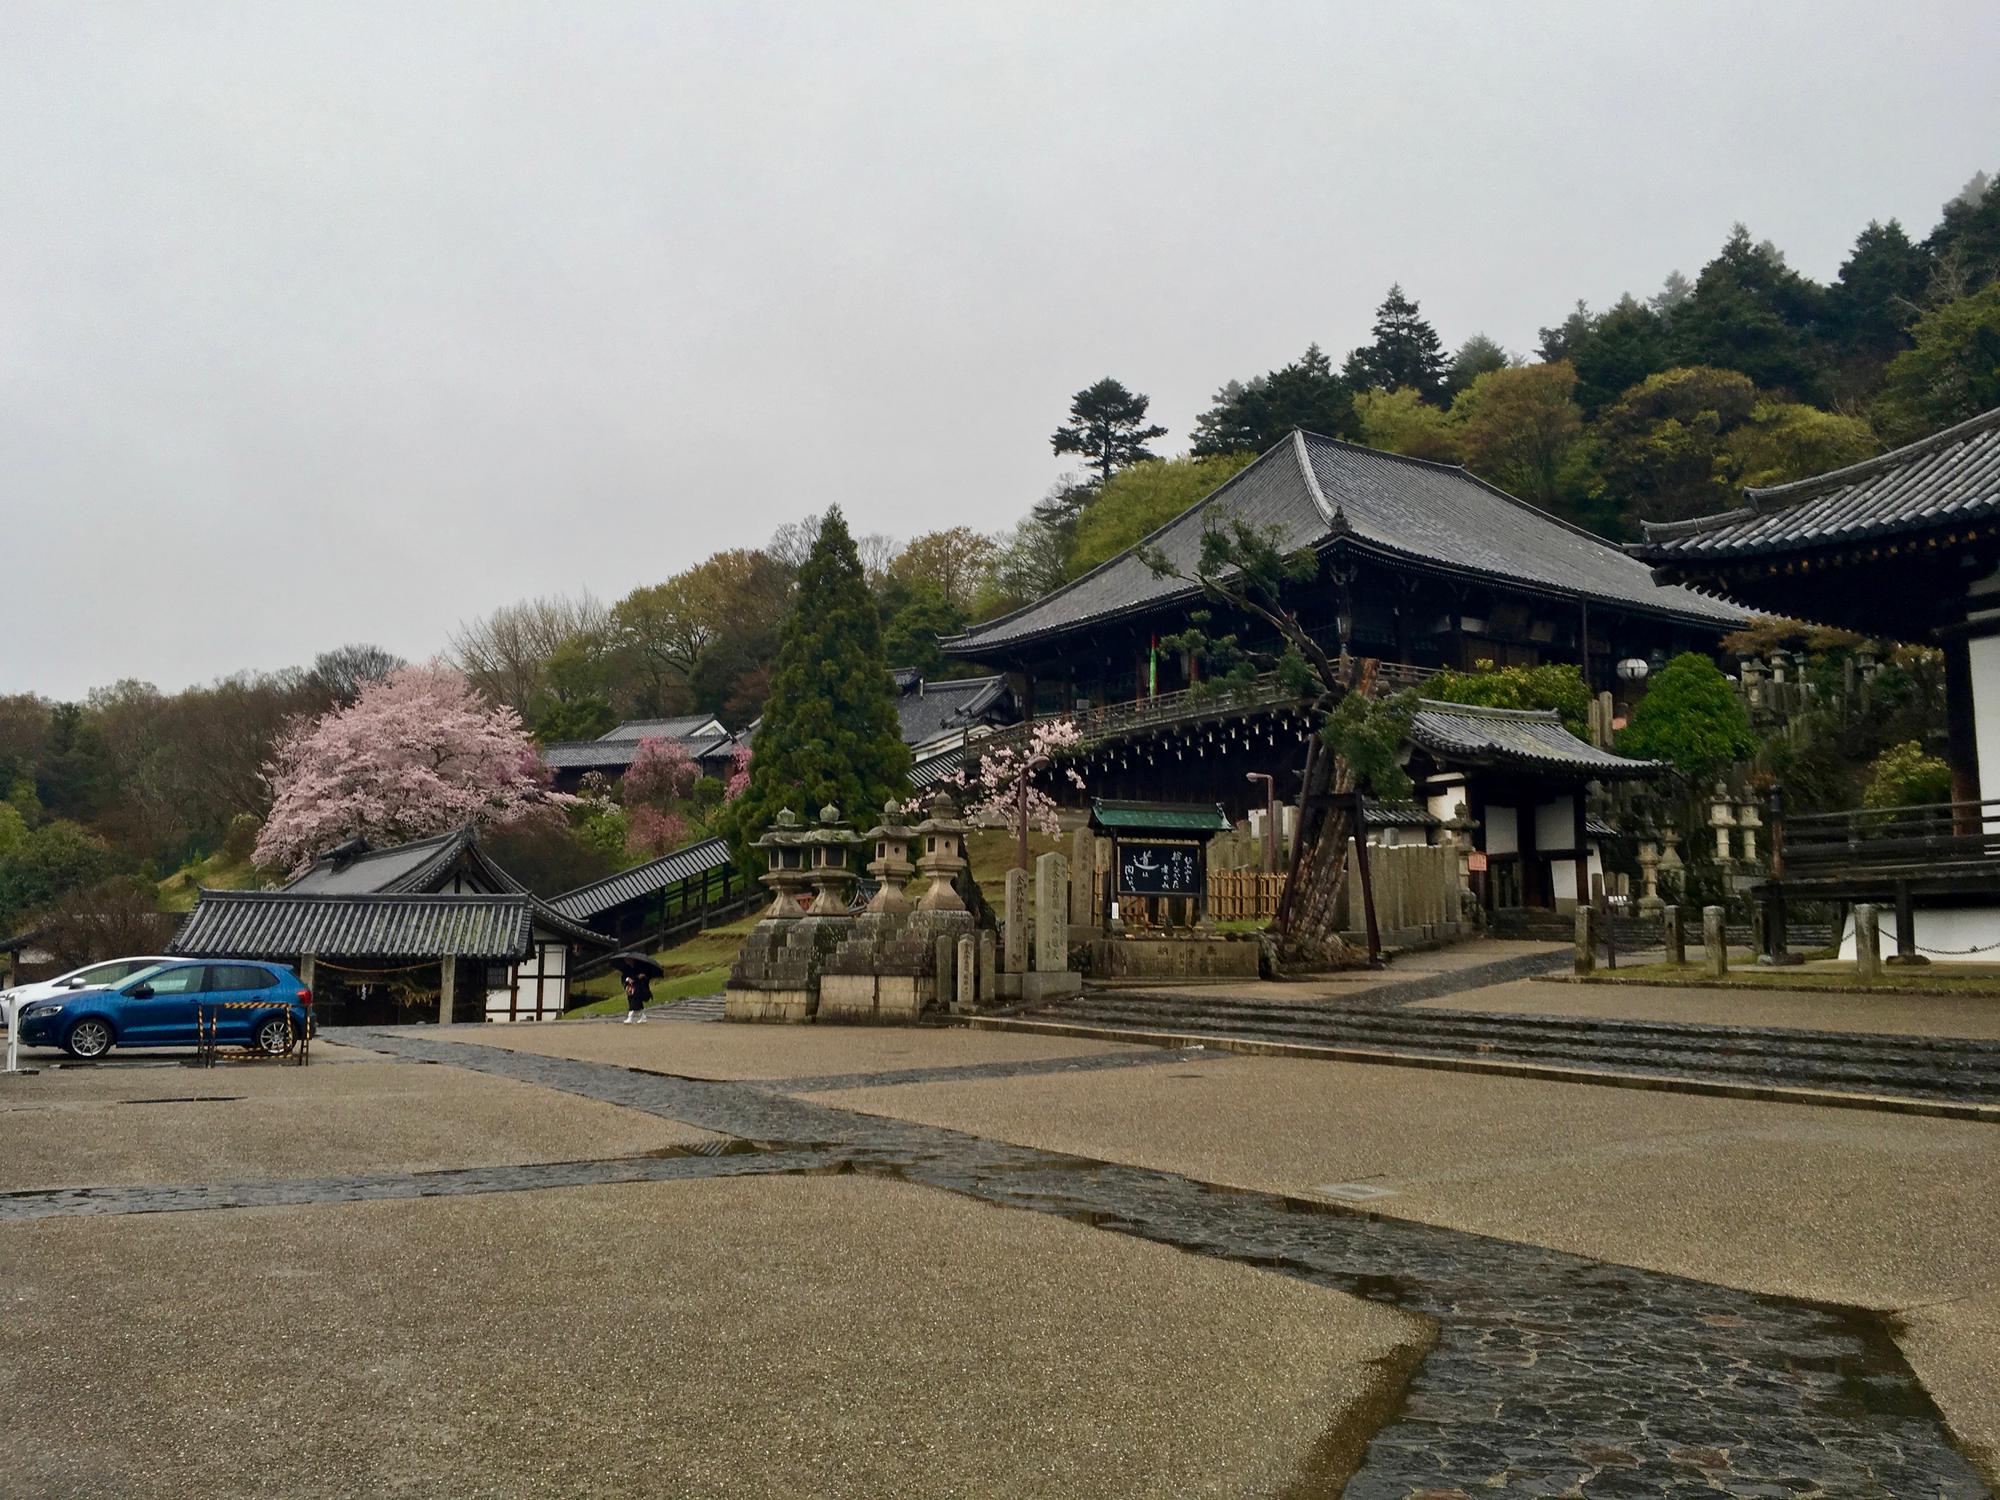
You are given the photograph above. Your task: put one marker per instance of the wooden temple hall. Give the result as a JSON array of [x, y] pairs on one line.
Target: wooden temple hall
[[1903, 547], [1421, 567]]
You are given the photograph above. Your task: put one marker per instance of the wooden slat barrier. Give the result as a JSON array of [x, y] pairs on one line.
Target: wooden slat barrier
[[1243, 895]]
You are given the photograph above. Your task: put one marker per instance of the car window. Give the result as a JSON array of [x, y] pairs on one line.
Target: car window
[[237, 977], [109, 973], [182, 981], [139, 976]]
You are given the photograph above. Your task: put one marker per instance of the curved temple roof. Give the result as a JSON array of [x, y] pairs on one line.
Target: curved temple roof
[[1313, 492], [288, 924], [1950, 477], [1530, 738]]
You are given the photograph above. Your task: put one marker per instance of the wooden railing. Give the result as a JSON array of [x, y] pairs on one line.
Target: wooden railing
[[1914, 839], [1193, 705]]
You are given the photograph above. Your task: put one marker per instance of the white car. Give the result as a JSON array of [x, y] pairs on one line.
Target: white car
[[110, 972]]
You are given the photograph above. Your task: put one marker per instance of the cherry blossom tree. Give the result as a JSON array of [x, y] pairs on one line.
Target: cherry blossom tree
[[739, 774], [1004, 786], [418, 753], [661, 774], [652, 831]]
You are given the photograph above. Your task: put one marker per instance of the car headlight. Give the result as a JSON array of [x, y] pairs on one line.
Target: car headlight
[[45, 1008]]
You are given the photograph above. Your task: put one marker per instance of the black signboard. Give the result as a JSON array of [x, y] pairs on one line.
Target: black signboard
[[1149, 869]]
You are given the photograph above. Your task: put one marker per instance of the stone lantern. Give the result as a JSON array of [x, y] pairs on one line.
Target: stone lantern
[[1748, 820], [785, 864], [942, 838], [1650, 904], [891, 865], [1722, 818], [833, 873]]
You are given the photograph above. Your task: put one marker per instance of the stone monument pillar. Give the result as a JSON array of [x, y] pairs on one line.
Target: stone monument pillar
[[1051, 978], [1714, 942], [1014, 923], [1867, 943]]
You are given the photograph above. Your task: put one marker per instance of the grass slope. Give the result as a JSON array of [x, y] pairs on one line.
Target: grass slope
[[218, 872], [697, 966]]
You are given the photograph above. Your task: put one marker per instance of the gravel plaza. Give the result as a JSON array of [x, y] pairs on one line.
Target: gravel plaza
[[733, 1260]]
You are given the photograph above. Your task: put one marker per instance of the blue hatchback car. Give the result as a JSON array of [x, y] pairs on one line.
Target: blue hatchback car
[[250, 1004]]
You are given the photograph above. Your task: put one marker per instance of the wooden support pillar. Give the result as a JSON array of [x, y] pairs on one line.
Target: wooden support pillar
[[447, 988], [1961, 738], [1581, 847], [308, 967]]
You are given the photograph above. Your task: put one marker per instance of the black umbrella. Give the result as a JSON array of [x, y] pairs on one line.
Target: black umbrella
[[636, 964]]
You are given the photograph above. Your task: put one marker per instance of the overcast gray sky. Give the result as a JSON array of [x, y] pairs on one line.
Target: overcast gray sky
[[345, 322]]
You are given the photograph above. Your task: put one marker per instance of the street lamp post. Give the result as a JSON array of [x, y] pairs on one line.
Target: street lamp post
[[1270, 818]]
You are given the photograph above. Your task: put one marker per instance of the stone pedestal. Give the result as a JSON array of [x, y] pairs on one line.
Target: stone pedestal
[[777, 972], [1673, 934]]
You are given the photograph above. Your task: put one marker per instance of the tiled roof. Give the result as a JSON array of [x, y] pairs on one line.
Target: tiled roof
[[419, 865], [1951, 476], [1315, 491], [1397, 814], [932, 769], [1529, 737], [687, 726], [1159, 817], [930, 710], [587, 901], [289, 924], [706, 740]]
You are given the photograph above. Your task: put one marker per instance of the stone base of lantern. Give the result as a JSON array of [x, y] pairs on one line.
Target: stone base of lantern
[[886, 972], [776, 976]]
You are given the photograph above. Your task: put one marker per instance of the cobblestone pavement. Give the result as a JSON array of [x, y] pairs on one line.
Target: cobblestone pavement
[[1553, 1375], [1909, 1067]]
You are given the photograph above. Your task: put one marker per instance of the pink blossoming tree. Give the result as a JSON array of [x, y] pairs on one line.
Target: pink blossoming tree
[[1003, 788], [652, 831], [739, 774], [418, 753], [661, 774]]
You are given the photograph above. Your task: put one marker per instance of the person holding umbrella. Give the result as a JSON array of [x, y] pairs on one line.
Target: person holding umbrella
[[640, 971]]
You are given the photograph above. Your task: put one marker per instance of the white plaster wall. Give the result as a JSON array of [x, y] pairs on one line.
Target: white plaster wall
[[1444, 804], [1562, 875], [1503, 832], [1938, 930], [1555, 825], [1985, 659]]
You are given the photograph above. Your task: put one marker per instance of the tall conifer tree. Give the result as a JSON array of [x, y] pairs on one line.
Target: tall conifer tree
[[829, 732]]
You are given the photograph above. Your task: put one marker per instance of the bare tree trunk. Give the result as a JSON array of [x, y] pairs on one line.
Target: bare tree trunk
[[1308, 932]]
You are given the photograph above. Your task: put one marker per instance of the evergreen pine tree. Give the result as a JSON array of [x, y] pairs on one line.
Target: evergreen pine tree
[[1406, 352], [1107, 425], [829, 732]]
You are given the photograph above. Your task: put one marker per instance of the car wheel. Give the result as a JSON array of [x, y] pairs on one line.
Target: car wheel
[[89, 1037], [274, 1037]]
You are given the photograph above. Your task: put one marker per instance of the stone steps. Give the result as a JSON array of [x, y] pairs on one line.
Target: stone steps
[[1911, 1066]]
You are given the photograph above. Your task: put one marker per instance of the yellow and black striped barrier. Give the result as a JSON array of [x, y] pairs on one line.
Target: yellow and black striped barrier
[[208, 1050]]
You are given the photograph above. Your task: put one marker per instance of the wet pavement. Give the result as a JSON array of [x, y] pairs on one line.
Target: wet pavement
[[1552, 1374]]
